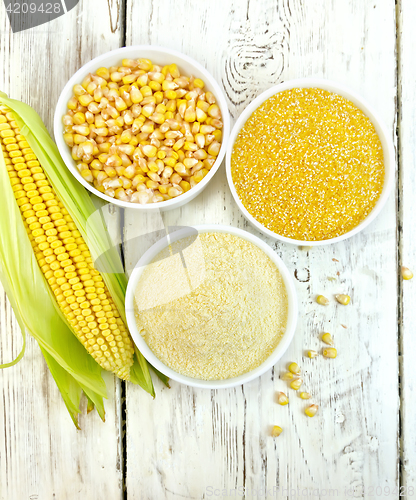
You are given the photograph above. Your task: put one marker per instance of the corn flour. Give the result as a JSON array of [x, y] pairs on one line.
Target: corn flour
[[218, 317]]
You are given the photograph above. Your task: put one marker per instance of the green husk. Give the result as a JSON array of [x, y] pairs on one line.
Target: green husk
[[161, 376], [73, 369]]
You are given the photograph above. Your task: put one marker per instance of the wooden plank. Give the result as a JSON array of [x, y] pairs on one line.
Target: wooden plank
[[406, 11], [188, 442], [42, 455]]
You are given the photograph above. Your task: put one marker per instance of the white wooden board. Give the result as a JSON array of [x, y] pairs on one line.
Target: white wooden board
[[42, 455], [198, 444], [195, 443], [406, 12]]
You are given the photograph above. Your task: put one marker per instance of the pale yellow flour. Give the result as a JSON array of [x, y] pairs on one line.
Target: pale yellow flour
[[220, 317]]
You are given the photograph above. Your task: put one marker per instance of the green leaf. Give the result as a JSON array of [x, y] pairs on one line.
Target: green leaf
[[26, 286], [161, 376], [140, 373], [34, 306], [69, 388], [76, 199], [96, 400], [36, 309]]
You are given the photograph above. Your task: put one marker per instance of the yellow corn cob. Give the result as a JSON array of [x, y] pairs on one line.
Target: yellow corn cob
[[64, 257]]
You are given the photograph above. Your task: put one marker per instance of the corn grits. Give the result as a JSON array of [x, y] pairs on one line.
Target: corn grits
[[219, 317], [308, 165]]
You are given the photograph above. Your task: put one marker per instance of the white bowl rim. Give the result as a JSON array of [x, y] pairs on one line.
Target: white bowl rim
[[361, 103], [65, 151], [281, 348]]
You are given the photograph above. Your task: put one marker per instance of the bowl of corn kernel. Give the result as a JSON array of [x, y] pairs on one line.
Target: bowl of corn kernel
[[309, 162], [142, 127]]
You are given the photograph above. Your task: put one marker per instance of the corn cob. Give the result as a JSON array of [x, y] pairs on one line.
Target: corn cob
[[64, 257]]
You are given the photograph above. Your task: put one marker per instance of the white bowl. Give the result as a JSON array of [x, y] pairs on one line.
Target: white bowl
[[211, 384], [383, 133], [161, 56]]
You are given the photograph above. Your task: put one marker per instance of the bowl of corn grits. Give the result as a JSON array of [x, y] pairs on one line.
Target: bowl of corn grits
[[310, 162], [142, 127], [211, 307]]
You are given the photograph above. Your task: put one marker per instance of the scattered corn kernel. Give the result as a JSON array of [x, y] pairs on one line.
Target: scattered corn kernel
[[327, 338], [323, 301], [276, 431], [282, 399], [304, 395], [312, 354], [311, 410], [295, 384], [287, 376], [343, 299], [294, 368], [329, 352], [407, 273]]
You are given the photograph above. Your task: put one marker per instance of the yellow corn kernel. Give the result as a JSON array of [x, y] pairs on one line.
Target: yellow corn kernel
[[295, 384], [323, 301], [327, 338], [406, 273], [276, 431], [343, 299], [311, 410], [185, 186], [294, 368], [329, 352], [199, 83], [282, 399], [149, 151]]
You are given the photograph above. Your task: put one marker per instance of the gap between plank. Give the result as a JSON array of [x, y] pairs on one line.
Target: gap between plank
[[123, 403], [123, 415], [123, 23], [399, 233]]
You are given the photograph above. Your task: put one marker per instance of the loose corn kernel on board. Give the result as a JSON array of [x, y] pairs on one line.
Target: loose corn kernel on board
[[308, 165], [143, 133]]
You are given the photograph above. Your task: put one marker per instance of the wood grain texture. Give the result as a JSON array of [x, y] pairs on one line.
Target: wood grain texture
[[189, 442], [42, 455], [406, 12]]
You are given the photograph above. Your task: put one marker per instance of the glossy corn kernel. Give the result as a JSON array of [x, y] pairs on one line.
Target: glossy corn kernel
[[304, 395], [329, 352], [343, 299], [276, 431], [294, 368], [323, 301], [295, 384], [327, 338], [282, 399], [407, 273], [66, 262], [312, 354], [311, 410], [287, 376]]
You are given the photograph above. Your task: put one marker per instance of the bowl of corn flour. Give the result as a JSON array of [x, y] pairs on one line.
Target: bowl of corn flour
[[211, 306]]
